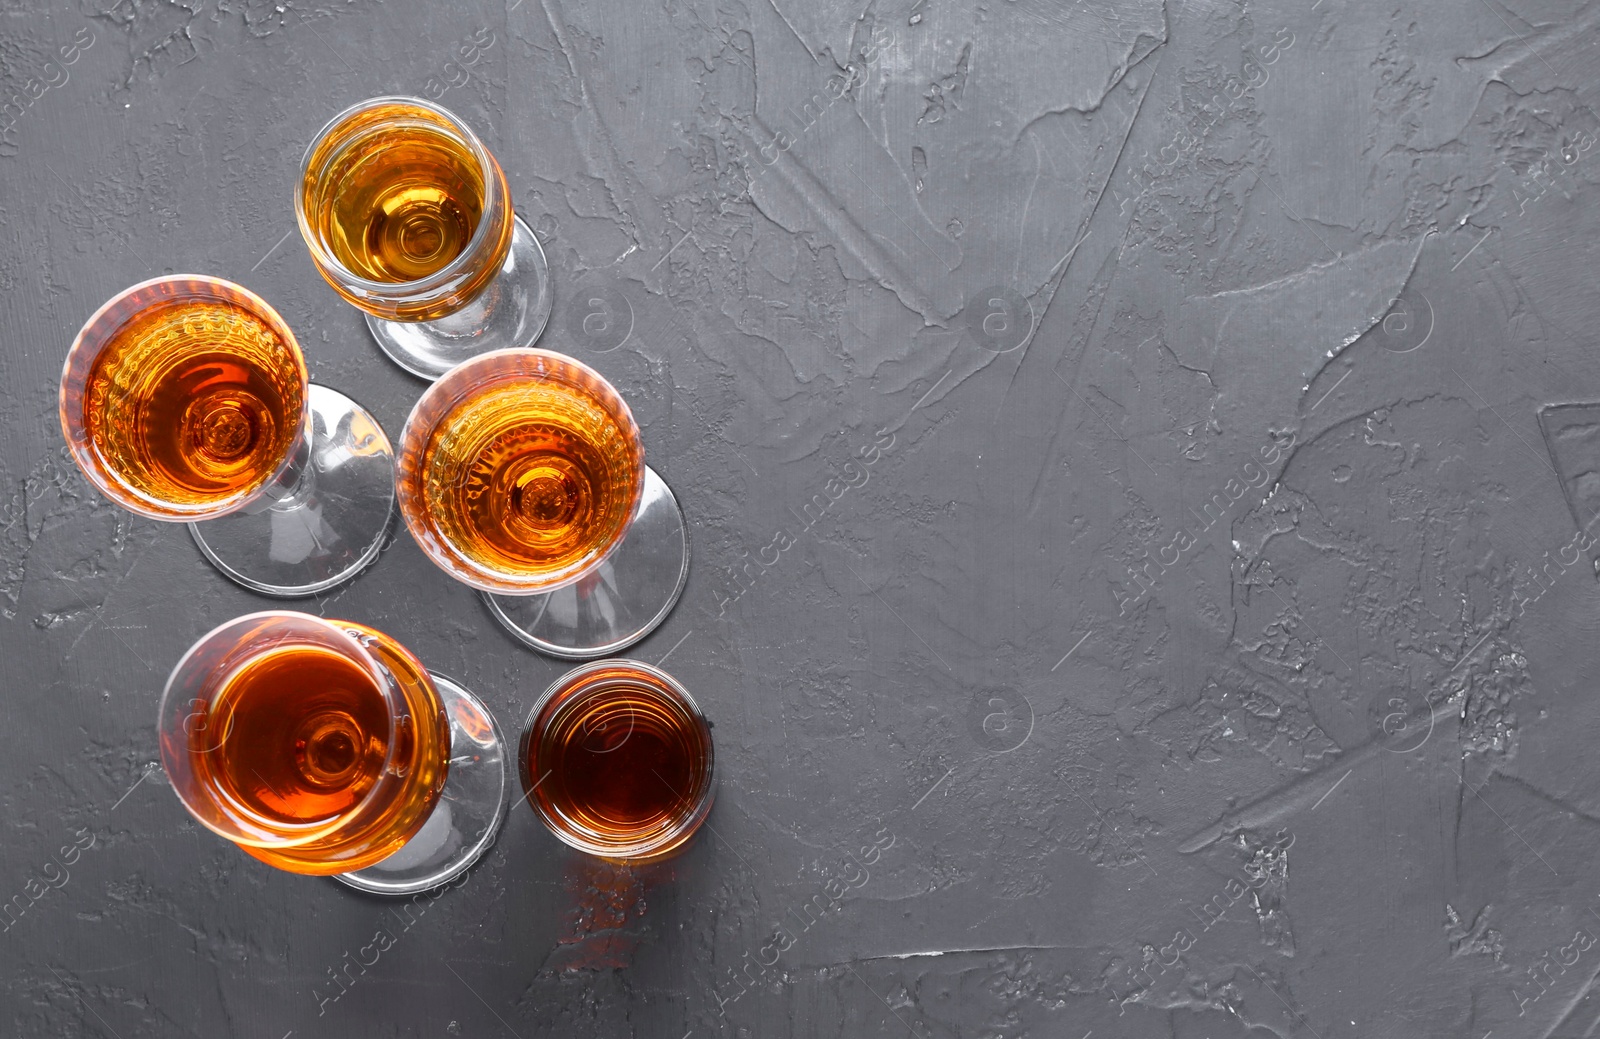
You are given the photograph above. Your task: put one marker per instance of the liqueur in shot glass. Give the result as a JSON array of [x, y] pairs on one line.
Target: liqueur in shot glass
[[616, 759]]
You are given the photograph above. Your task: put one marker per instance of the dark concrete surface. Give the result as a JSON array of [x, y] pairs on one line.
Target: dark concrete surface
[[1209, 649]]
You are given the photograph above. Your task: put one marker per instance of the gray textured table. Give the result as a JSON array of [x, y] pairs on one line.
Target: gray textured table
[[1207, 649]]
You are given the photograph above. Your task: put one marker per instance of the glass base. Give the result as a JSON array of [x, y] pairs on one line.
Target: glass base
[[467, 818], [331, 527], [511, 312], [621, 601]]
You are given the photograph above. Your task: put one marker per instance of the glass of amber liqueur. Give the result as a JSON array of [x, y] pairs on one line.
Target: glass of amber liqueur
[[186, 399], [616, 760], [521, 473], [325, 747], [408, 217]]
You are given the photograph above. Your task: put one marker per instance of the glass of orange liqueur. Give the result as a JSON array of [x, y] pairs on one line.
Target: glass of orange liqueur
[[186, 399], [616, 760], [325, 747], [522, 474], [408, 216]]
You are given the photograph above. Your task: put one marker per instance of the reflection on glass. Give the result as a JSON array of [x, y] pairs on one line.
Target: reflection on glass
[[325, 747], [185, 398], [616, 759], [521, 473], [408, 216]]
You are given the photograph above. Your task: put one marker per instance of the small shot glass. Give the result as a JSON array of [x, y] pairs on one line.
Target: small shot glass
[[616, 760]]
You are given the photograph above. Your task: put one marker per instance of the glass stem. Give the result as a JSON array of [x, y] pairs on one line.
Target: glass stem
[[294, 485], [475, 315]]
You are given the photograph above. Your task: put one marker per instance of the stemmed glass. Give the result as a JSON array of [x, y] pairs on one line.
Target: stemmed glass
[[325, 747], [616, 759], [522, 474], [186, 399], [408, 216]]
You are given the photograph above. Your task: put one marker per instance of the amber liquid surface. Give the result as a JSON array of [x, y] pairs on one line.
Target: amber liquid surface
[[295, 736], [399, 201], [530, 478], [193, 401], [623, 761]]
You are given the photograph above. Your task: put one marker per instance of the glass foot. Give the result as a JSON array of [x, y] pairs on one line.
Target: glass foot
[[511, 312], [333, 524], [467, 818], [623, 600]]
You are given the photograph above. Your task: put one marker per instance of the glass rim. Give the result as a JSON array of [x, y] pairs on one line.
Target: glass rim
[[387, 686], [695, 811], [75, 372], [440, 278], [412, 444]]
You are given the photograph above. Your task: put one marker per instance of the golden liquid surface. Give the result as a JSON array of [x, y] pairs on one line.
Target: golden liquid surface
[[194, 401], [299, 736], [398, 201], [296, 735], [530, 478], [622, 761]]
